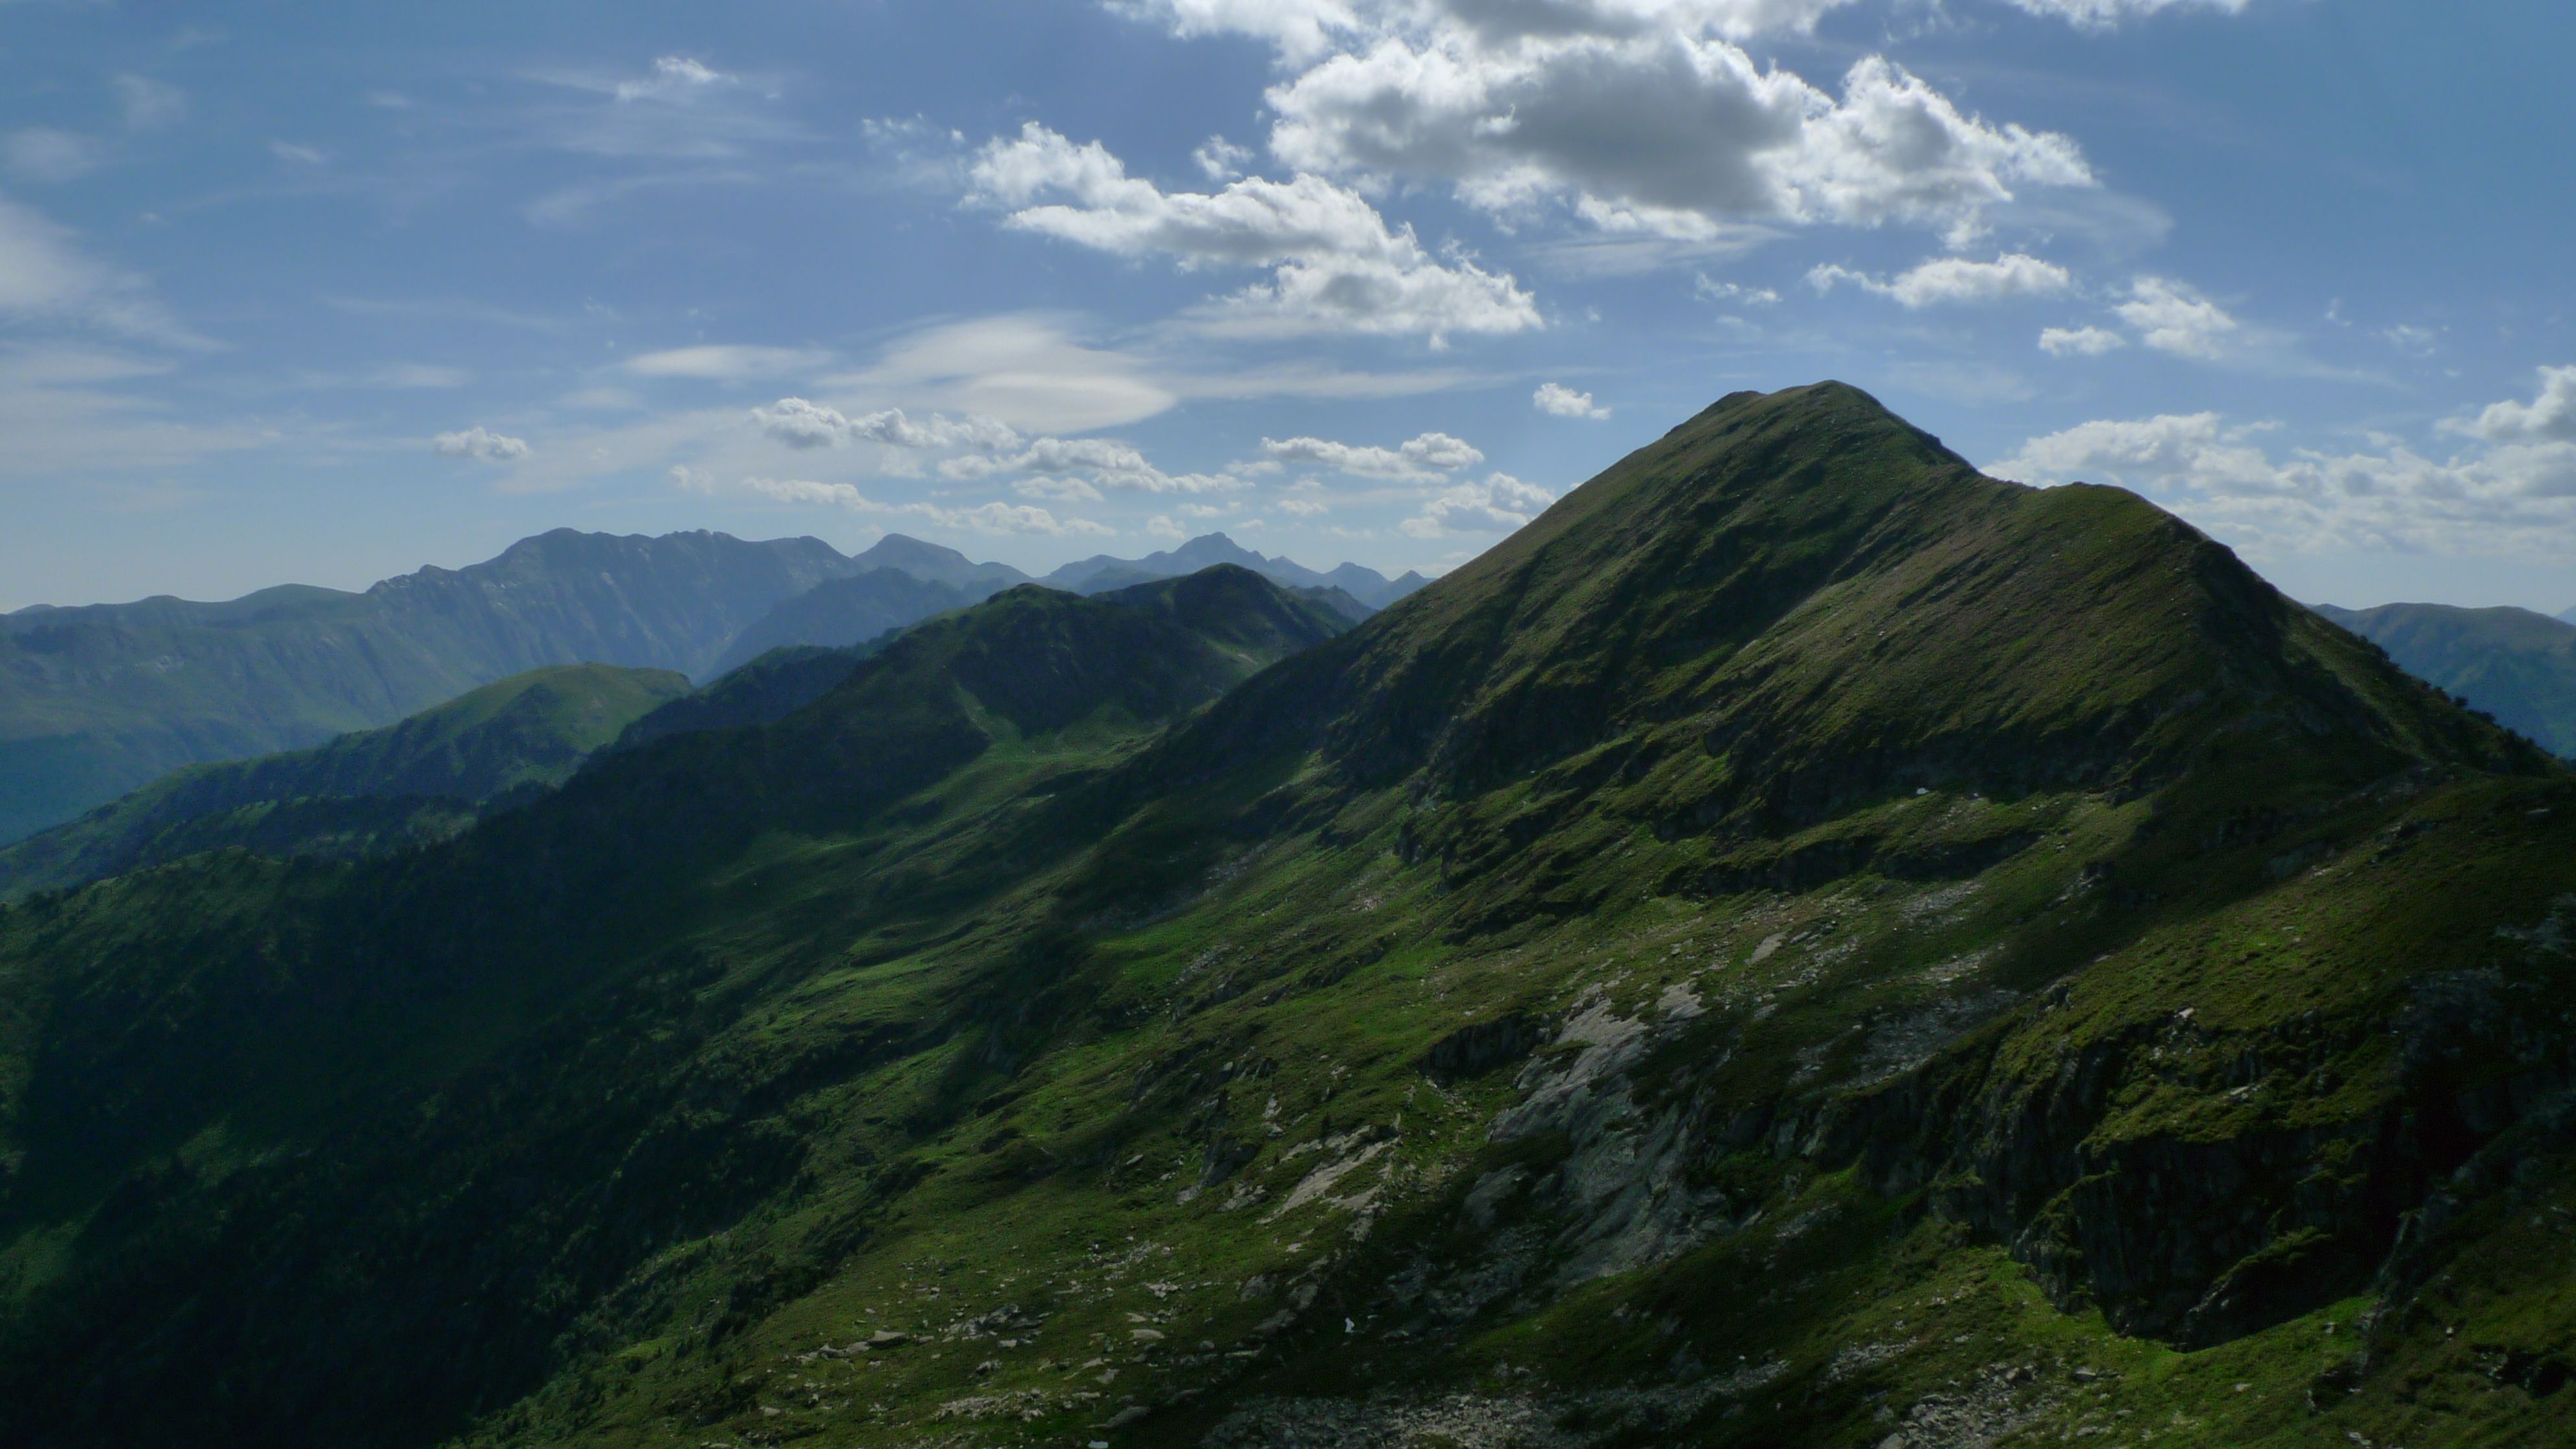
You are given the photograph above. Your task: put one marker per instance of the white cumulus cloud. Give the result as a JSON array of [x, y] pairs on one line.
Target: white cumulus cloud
[[1336, 265], [1639, 117], [1660, 132], [802, 424], [1297, 27], [1499, 504], [1424, 457], [1111, 464], [482, 445], [2174, 317], [2550, 417], [1220, 159], [1944, 280], [2510, 498], [1709, 289], [673, 77], [1558, 400], [1303, 28], [2080, 341], [2098, 14]]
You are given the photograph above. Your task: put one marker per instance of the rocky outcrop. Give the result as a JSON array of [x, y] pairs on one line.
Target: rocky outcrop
[[2201, 1235], [2194, 1233]]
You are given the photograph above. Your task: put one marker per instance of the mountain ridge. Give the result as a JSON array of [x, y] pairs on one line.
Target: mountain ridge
[[1366, 585], [837, 613], [97, 700], [1803, 945], [2516, 665], [429, 773], [100, 699]]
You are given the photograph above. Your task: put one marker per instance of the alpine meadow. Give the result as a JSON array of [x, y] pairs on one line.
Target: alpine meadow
[[1801, 943], [1287, 724]]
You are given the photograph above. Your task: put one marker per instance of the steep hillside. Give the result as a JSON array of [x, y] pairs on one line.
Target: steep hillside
[[258, 1019], [841, 612], [768, 689], [2514, 664], [100, 700], [1802, 945], [361, 792]]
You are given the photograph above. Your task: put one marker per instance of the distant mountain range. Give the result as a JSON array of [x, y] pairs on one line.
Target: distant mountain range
[[440, 771], [849, 611], [1100, 571], [419, 780], [2514, 664], [96, 701], [99, 700]]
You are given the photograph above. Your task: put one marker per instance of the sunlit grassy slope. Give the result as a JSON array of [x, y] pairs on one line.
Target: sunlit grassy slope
[[1801, 945]]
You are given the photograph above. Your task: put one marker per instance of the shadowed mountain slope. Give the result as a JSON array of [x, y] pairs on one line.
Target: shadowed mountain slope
[[2514, 664], [1803, 945], [361, 792], [769, 688], [96, 701], [838, 613]]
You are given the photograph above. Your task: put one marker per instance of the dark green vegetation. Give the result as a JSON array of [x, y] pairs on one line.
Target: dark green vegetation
[[769, 688], [422, 779], [2513, 664], [97, 701], [1802, 945]]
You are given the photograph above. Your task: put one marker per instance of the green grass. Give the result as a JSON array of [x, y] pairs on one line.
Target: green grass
[[1995, 964]]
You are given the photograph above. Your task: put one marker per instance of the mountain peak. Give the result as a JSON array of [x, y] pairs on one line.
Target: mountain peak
[[1101, 571], [935, 564], [1844, 606]]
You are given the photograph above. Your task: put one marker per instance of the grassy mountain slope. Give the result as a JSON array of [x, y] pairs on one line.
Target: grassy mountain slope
[[100, 700], [245, 1024], [1802, 945], [2516, 665], [409, 781], [769, 688], [840, 612]]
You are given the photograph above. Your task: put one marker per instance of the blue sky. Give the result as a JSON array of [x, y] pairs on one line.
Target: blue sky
[[323, 293]]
